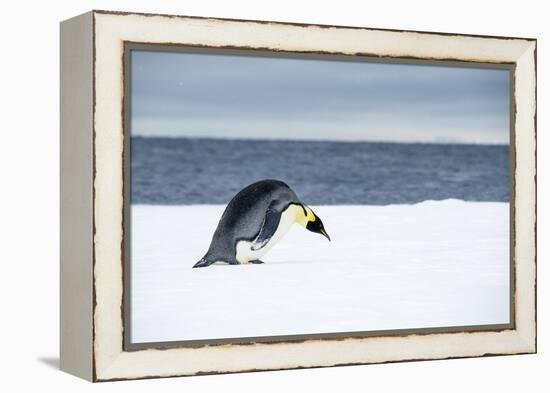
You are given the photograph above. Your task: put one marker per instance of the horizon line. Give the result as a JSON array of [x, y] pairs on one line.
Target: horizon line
[[299, 140]]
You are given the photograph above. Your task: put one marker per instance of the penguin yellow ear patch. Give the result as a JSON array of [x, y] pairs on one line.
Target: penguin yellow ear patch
[[310, 215]]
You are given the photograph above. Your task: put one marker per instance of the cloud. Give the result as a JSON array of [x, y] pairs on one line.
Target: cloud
[[181, 94]]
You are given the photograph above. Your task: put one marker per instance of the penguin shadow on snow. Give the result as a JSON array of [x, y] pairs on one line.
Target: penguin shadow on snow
[[256, 219]]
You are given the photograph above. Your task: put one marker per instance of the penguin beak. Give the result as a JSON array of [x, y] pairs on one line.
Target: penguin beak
[[325, 234]]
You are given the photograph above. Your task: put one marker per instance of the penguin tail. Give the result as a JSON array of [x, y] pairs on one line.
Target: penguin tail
[[203, 263]]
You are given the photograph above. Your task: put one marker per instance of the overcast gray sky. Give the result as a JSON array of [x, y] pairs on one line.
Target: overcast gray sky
[[212, 95]]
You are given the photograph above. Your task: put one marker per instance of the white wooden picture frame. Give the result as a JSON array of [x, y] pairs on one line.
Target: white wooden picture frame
[[92, 196]]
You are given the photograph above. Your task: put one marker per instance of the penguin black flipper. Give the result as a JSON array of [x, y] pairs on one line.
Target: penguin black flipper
[[269, 225]]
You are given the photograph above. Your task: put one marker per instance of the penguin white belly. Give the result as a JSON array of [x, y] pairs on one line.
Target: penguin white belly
[[245, 254]]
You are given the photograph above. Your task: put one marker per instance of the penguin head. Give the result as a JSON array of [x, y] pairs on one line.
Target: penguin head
[[314, 224]]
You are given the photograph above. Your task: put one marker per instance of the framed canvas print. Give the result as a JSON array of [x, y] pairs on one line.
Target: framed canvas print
[[246, 195]]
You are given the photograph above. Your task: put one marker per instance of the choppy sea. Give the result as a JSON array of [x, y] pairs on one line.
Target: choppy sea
[[169, 171]]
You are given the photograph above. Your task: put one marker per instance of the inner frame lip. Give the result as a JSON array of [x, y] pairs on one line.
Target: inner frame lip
[[126, 307]]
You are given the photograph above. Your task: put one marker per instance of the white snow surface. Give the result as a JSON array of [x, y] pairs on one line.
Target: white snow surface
[[431, 264]]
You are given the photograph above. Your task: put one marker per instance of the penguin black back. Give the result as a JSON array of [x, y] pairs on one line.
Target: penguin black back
[[243, 218]]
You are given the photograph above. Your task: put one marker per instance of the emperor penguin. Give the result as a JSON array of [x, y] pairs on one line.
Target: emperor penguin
[[255, 220]]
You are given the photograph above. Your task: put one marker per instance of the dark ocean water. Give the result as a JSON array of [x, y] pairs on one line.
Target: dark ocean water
[[211, 171]]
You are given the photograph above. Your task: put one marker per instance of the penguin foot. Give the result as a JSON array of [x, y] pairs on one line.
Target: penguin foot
[[257, 262]]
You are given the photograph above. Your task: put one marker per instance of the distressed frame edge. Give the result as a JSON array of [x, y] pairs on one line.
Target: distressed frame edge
[[526, 180], [290, 368], [527, 340], [304, 24]]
